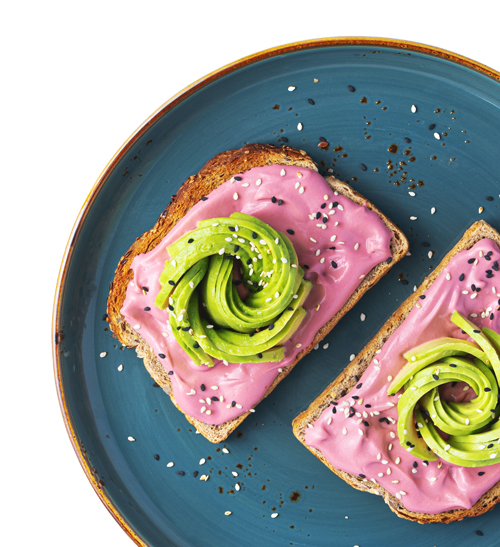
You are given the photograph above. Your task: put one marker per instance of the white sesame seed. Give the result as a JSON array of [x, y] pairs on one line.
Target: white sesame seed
[[299, 174], [245, 185], [318, 252], [352, 357], [329, 421], [203, 409], [208, 401], [437, 136], [360, 431], [291, 88], [238, 406], [433, 479], [344, 431], [225, 450], [379, 456], [473, 295], [300, 126], [339, 207], [274, 515], [258, 182], [362, 317], [356, 247], [227, 513], [237, 487], [103, 353], [389, 378], [301, 190], [325, 197], [413, 108], [412, 194], [215, 224], [389, 447], [282, 172], [448, 276], [234, 473], [494, 455], [221, 251], [433, 210], [398, 495], [447, 447], [192, 392], [225, 362], [380, 474], [392, 434], [235, 195], [298, 345], [413, 218]]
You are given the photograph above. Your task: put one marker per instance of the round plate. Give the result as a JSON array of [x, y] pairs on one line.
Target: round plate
[[415, 119]]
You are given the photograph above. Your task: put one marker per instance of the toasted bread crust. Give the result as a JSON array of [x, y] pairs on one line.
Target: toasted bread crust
[[215, 172], [346, 381]]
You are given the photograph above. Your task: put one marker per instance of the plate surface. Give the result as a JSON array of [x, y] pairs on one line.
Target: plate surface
[[366, 130]]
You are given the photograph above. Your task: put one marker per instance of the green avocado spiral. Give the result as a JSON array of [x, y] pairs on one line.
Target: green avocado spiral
[[473, 428], [208, 317]]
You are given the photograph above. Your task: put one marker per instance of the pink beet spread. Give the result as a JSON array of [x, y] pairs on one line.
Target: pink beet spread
[[375, 451], [245, 384]]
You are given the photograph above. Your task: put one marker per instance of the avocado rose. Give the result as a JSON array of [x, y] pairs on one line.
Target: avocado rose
[[472, 426], [209, 318]]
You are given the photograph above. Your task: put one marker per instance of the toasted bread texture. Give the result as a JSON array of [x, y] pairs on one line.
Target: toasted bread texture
[[218, 170], [346, 381]]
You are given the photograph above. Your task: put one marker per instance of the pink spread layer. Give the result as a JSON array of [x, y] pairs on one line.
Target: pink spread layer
[[374, 450], [354, 238]]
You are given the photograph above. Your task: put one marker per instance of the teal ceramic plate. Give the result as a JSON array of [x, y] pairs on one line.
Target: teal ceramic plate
[[385, 150]]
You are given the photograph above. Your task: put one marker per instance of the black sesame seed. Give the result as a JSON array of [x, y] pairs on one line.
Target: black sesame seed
[[453, 384], [290, 231], [415, 464], [216, 399], [335, 204], [202, 387], [363, 167], [259, 355], [356, 377], [356, 397], [305, 266], [406, 139], [254, 235], [366, 424], [274, 200], [489, 198], [161, 355], [404, 282], [334, 264], [473, 287], [351, 88], [359, 386], [475, 331], [381, 420], [104, 317], [196, 345], [322, 139], [435, 376], [170, 282], [432, 126], [490, 445], [178, 328], [425, 244], [249, 261], [145, 289], [170, 307], [237, 178], [251, 334], [147, 308], [325, 220], [332, 248], [284, 139], [271, 326], [422, 297], [289, 308], [492, 316], [479, 533], [334, 410], [362, 476], [190, 240], [481, 473], [232, 228], [471, 261], [170, 372], [487, 257], [156, 457], [236, 248], [156, 385], [389, 260], [495, 266], [489, 275], [181, 473], [323, 205], [185, 329], [280, 202], [318, 215], [237, 282], [233, 403], [368, 406], [310, 101], [204, 198], [453, 365], [462, 277], [195, 474]]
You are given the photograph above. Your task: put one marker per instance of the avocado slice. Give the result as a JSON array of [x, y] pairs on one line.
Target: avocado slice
[[429, 352], [473, 427], [197, 287]]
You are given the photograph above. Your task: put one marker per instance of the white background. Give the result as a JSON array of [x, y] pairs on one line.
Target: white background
[[76, 79]]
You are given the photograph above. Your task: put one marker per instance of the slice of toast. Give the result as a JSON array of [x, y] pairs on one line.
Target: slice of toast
[[218, 170], [352, 374]]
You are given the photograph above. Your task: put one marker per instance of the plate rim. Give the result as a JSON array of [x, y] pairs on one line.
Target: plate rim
[[166, 107]]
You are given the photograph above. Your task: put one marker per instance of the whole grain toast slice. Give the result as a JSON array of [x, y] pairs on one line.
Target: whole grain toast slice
[[216, 171], [346, 381]]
